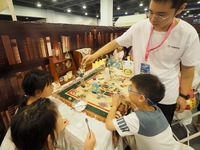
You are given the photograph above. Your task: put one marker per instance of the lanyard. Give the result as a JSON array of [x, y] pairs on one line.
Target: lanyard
[[148, 49]]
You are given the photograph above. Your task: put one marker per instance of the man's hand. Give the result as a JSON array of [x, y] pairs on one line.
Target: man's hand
[[181, 104], [88, 59]]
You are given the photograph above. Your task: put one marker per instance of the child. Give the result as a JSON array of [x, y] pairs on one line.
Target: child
[[36, 84], [147, 123], [36, 127], [118, 53]]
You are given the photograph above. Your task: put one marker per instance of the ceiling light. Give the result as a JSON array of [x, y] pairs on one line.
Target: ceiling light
[[145, 9], [39, 4], [69, 10], [97, 16], [198, 2], [188, 11], [126, 13], [141, 4], [84, 6], [86, 13], [118, 8], [54, 0]]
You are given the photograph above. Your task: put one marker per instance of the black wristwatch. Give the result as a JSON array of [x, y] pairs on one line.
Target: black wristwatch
[[186, 97]]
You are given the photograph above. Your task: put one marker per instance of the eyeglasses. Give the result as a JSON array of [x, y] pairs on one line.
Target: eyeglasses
[[131, 91], [157, 17]]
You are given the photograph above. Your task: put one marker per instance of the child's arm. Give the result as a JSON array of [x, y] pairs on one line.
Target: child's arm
[[111, 115]]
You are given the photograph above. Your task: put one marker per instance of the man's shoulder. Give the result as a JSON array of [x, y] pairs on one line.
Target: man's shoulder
[[141, 25], [185, 26]]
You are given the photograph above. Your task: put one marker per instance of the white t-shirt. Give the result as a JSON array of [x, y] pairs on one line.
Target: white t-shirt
[[182, 45], [150, 128]]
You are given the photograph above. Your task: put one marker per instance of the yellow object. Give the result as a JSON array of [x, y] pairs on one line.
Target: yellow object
[[192, 103], [93, 65]]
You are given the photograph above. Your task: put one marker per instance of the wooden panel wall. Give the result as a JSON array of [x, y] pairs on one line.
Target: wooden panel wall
[[23, 46]]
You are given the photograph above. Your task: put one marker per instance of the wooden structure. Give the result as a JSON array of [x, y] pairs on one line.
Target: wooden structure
[[60, 69], [26, 45]]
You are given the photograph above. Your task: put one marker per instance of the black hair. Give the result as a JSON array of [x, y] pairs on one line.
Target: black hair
[[33, 81], [150, 86], [31, 125], [175, 3]]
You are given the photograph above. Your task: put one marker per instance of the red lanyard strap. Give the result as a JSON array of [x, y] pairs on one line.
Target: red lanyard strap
[[148, 49]]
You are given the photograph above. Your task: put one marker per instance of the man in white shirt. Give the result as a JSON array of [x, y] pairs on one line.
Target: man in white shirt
[[160, 44]]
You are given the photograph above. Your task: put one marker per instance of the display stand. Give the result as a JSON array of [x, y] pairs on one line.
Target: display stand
[[63, 70]]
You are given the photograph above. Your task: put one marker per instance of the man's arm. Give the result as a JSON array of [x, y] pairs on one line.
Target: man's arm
[[187, 75], [102, 51], [106, 49]]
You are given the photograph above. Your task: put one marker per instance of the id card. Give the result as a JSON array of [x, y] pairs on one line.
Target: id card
[[145, 68]]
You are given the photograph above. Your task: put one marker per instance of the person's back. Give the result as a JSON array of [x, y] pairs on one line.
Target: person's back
[[35, 126], [153, 131]]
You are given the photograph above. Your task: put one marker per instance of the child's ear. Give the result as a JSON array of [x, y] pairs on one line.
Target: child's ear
[[142, 98], [49, 138], [50, 142]]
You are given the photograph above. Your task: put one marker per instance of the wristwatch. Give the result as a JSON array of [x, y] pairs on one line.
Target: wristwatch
[[186, 97]]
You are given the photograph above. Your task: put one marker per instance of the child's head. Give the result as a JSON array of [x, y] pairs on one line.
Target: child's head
[[36, 82], [120, 48], [34, 126], [147, 86]]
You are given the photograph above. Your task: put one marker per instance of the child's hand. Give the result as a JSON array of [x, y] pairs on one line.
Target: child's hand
[[116, 101], [124, 97], [90, 141]]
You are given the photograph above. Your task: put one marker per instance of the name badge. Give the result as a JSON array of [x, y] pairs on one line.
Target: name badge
[[145, 68]]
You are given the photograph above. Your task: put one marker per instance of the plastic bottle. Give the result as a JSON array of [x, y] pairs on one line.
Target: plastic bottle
[[117, 63], [111, 61], [107, 73], [95, 86], [128, 68]]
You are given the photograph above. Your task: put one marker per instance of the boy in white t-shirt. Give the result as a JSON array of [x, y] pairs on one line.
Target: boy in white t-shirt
[[148, 124]]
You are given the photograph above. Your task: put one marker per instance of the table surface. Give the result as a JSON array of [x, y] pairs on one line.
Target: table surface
[[96, 109], [98, 105]]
